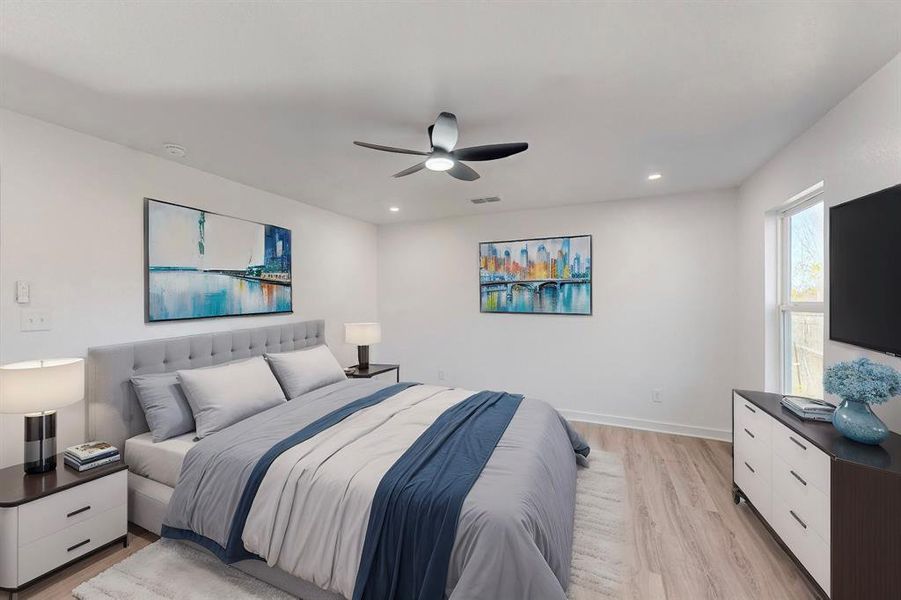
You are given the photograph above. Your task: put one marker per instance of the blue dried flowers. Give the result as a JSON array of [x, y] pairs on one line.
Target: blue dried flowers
[[862, 380]]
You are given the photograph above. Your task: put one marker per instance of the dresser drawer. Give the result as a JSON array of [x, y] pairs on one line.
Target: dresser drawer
[[811, 463], [751, 421], [755, 442], [70, 507], [58, 548], [751, 473], [808, 502], [807, 546], [755, 453]]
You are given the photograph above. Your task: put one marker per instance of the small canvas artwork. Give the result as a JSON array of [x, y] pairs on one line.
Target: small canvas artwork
[[536, 276], [202, 264]]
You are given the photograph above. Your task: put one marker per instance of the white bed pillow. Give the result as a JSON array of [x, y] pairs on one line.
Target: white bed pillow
[[165, 407], [221, 396], [305, 370]]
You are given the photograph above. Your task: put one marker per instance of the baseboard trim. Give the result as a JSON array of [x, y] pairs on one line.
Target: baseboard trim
[[723, 435]]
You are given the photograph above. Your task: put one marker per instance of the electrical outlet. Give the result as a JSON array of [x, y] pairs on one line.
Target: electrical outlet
[[441, 376], [655, 397], [33, 319]]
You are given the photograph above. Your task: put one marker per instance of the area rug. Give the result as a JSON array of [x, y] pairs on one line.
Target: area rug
[[171, 570]]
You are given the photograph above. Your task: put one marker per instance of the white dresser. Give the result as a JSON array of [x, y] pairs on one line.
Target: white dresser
[[52, 519], [786, 469]]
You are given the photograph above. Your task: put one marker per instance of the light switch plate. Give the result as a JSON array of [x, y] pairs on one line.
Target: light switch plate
[[23, 292], [33, 319]]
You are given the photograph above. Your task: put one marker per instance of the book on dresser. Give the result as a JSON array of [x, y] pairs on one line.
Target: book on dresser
[[834, 505], [809, 408], [90, 455]]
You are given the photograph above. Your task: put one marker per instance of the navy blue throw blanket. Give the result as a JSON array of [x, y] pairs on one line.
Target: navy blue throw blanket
[[413, 520], [234, 550]]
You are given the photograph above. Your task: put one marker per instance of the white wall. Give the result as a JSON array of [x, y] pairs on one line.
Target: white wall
[[71, 224], [855, 149], [664, 311]]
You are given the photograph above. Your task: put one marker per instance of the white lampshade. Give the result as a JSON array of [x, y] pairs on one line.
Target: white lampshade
[[41, 385], [362, 334]]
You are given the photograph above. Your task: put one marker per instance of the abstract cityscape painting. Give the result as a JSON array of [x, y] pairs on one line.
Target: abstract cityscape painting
[[202, 264], [536, 276]]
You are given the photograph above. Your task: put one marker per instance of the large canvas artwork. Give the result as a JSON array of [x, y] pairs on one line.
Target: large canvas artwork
[[544, 276], [201, 264]]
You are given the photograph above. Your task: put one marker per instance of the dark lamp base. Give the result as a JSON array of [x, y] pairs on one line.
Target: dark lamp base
[[363, 357], [40, 442]]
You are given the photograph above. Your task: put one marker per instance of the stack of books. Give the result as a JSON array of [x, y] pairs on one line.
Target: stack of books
[[91, 455], [809, 408]]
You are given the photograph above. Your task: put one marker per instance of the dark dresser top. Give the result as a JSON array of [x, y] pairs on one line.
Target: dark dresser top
[[16, 487], [885, 457]]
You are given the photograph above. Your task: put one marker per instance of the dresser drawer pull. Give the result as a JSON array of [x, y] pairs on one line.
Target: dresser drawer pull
[[79, 511], [88, 541], [798, 477], [750, 468], [800, 445], [749, 408], [749, 433], [798, 519]]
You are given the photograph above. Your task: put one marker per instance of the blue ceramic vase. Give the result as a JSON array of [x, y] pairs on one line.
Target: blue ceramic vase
[[855, 420]]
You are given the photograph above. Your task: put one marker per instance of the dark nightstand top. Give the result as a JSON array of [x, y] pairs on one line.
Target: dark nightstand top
[[18, 488], [373, 370]]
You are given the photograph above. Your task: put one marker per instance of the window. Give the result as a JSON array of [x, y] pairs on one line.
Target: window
[[802, 293]]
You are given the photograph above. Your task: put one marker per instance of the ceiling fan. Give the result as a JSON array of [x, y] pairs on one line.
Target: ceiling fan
[[443, 157]]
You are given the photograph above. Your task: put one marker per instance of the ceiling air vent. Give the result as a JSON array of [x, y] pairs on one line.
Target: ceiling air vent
[[485, 200]]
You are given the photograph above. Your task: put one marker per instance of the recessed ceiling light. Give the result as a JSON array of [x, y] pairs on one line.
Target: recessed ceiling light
[[654, 176], [439, 163], [394, 209], [174, 150]]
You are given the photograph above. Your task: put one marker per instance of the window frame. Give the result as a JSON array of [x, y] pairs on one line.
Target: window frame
[[801, 202]]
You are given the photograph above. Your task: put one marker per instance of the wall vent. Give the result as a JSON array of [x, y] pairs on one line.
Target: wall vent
[[485, 200]]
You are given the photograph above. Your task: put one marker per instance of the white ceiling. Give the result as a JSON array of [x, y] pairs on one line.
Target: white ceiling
[[272, 94]]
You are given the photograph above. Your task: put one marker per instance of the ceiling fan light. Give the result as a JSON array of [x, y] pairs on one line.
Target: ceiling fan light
[[439, 163]]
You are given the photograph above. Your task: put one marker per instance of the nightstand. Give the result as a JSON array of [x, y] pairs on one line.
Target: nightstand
[[372, 371], [50, 520]]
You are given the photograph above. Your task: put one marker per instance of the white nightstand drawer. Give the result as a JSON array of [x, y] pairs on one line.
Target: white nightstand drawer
[[70, 507], [809, 548], [60, 547], [808, 502], [750, 421], [809, 462]]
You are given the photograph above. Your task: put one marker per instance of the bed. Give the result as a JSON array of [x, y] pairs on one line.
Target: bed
[[515, 520]]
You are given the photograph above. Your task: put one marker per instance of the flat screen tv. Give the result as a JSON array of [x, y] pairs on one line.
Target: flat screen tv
[[865, 271]]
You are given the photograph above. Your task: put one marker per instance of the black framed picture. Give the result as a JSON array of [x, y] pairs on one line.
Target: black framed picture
[[536, 276], [201, 264]]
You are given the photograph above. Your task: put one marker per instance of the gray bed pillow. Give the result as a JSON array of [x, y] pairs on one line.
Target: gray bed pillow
[[303, 371], [223, 395], [165, 406]]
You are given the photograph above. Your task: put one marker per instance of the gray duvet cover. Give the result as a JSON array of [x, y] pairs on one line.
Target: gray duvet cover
[[514, 534]]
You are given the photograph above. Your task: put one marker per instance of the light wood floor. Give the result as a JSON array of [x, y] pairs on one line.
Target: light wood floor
[[686, 539]]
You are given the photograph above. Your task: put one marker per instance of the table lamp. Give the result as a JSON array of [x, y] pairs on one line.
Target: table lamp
[[362, 334], [37, 388]]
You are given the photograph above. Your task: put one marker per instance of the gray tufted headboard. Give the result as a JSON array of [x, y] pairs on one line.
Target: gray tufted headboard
[[113, 412]]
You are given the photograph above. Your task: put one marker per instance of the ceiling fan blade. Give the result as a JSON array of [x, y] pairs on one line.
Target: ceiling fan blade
[[411, 170], [461, 171], [490, 152], [444, 133], [390, 149]]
